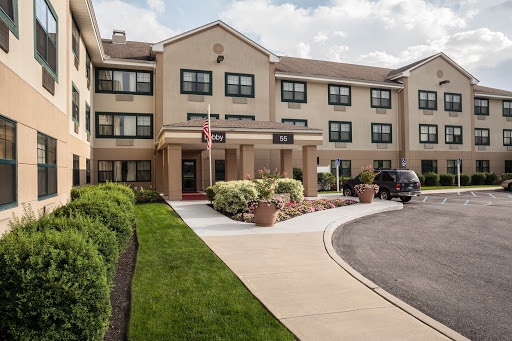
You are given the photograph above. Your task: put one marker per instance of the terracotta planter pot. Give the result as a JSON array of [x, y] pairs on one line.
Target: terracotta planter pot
[[367, 196], [266, 214]]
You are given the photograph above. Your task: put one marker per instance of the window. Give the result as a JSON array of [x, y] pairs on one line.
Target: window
[[481, 106], [75, 99], [452, 102], [126, 171], [87, 171], [428, 166], [381, 133], [345, 168], [76, 170], [46, 166], [124, 82], [453, 134], [296, 122], [507, 137], [482, 166], [340, 95], [293, 92], [451, 166], [46, 36], [8, 180], [240, 117], [196, 82], [340, 131], [482, 137], [200, 116], [87, 68], [508, 166], [87, 118], [381, 164], [239, 85], [220, 170], [507, 108], [381, 98], [427, 100], [9, 14], [109, 125], [428, 133], [75, 39]]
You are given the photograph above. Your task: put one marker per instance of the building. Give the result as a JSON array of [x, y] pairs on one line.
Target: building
[[76, 109]]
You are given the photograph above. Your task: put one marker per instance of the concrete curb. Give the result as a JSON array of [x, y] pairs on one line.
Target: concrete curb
[[328, 232]]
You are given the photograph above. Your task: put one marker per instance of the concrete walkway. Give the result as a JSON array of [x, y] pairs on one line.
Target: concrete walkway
[[293, 270]]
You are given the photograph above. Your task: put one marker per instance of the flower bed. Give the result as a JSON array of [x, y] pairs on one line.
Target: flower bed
[[295, 209]]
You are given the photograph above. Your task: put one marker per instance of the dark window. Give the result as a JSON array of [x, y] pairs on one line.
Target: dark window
[[46, 35], [240, 117], [200, 116], [428, 166], [345, 168], [75, 98], [453, 134], [340, 95], [88, 68], [239, 85], [9, 14], [482, 137], [87, 118], [507, 137], [109, 125], [124, 81], [508, 166], [196, 82], [381, 164], [481, 106], [75, 39], [428, 133], [76, 170], [295, 122], [452, 102], [340, 131], [46, 165], [381, 133], [381, 98], [427, 100], [7, 6], [482, 166], [124, 171], [293, 92], [87, 171], [7, 162], [507, 108], [220, 170], [451, 166]]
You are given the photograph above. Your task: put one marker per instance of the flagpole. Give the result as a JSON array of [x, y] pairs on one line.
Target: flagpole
[[210, 149]]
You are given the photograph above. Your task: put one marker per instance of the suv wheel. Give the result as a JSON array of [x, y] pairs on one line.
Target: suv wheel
[[384, 194], [405, 199], [347, 191]]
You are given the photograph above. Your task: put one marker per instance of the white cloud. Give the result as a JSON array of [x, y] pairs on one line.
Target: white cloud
[[156, 5]]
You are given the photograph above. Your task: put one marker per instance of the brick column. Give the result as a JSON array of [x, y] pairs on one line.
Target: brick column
[[174, 175], [246, 161], [286, 162], [309, 177], [230, 164]]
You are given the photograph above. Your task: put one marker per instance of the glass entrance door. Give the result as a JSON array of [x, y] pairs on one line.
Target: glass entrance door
[[188, 171]]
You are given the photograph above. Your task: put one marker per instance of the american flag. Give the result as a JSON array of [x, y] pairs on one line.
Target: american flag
[[207, 133]]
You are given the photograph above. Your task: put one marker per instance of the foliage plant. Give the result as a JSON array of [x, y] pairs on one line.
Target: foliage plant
[[491, 178], [326, 180], [446, 179], [465, 179], [367, 176], [234, 196], [297, 174], [431, 179], [144, 196], [477, 178], [292, 186]]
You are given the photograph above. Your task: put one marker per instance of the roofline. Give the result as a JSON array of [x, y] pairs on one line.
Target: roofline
[[83, 9], [483, 94], [159, 47], [127, 62], [282, 75], [406, 73]]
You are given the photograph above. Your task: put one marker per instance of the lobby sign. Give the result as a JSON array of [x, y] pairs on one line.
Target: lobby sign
[[217, 137], [283, 138]]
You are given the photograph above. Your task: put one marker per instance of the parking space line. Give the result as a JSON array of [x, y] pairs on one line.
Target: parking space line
[[444, 201], [473, 194], [510, 195], [425, 200], [492, 195], [467, 201]]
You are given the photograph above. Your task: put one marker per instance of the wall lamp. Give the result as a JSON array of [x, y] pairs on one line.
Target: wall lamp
[[446, 81], [220, 58]]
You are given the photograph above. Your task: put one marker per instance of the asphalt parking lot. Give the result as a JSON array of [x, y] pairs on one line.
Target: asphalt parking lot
[[448, 255]]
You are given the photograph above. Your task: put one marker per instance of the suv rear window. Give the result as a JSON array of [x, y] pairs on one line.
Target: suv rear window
[[408, 177]]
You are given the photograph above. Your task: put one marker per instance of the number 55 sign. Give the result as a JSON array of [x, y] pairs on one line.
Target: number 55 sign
[[283, 138]]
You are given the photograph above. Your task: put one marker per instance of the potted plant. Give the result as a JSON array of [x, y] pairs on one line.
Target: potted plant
[[267, 206], [366, 190]]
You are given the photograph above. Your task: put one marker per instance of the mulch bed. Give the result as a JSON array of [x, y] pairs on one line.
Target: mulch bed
[[121, 293]]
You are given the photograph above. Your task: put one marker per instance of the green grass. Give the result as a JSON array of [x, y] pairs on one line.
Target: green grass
[[182, 291]]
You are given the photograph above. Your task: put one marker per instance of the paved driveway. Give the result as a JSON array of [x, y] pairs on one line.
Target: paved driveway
[[448, 255]]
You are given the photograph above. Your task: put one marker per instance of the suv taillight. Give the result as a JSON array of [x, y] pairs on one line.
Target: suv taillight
[[397, 187]]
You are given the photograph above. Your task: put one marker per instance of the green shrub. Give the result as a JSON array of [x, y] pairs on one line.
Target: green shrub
[[421, 177], [431, 179], [210, 193], [446, 179], [465, 179], [144, 196], [297, 174], [478, 178], [52, 287], [506, 176], [107, 187], [292, 186], [234, 196], [491, 178], [326, 180]]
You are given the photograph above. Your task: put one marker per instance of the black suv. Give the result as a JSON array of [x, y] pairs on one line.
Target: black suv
[[393, 183]]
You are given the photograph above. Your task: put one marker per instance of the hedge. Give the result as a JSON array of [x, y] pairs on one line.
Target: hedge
[[292, 186], [446, 179]]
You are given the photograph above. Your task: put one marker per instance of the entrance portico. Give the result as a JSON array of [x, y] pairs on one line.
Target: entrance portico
[[239, 147]]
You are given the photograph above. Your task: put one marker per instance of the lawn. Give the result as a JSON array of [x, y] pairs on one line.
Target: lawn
[[182, 291]]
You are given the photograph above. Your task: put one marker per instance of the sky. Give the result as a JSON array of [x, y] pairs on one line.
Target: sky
[[476, 34]]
